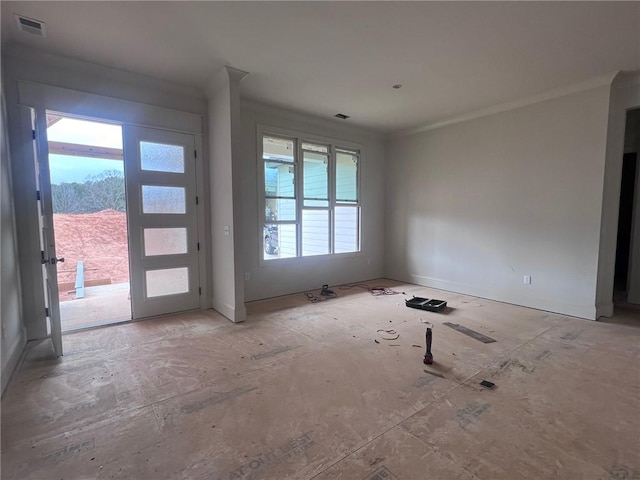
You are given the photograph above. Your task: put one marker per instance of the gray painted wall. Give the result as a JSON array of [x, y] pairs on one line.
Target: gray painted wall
[[475, 206], [310, 273], [13, 333]]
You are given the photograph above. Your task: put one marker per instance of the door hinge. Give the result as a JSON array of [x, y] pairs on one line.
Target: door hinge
[[195, 154], [33, 134], [197, 200], [199, 290], [38, 197], [42, 260], [198, 246], [46, 311]]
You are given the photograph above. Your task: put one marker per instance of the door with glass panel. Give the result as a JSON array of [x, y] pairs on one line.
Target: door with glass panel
[[162, 200]]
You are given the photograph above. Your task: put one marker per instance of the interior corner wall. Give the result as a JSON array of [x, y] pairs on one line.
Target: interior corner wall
[[475, 206], [274, 278], [13, 331]]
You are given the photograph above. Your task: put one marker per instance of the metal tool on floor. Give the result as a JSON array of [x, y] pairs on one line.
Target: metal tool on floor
[[326, 291], [428, 356]]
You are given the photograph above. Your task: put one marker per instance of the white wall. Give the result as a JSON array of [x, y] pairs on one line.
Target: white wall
[[281, 277], [13, 333], [474, 206]]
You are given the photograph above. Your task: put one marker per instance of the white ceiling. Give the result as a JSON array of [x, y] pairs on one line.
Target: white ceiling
[[328, 57]]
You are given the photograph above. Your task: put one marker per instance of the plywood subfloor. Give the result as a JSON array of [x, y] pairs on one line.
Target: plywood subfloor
[[302, 391]]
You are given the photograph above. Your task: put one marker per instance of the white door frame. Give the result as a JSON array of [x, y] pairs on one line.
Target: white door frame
[[41, 98]]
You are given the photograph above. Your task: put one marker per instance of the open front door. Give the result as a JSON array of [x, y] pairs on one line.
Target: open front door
[[160, 172], [47, 254]]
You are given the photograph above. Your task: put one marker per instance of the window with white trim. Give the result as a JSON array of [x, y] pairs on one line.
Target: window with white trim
[[311, 197]]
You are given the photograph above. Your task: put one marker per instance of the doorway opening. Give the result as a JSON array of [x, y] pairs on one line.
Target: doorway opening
[[626, 225], [625, 220], [86, 168]]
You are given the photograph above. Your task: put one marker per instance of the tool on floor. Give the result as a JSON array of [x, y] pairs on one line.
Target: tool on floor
[[422, 303], [428, 356], [326, 292]]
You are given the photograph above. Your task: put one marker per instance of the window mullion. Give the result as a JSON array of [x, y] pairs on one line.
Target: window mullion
[[299, 195], [332, 197]]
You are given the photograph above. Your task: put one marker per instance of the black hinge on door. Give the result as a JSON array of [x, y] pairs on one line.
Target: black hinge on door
[[195, 154], [46, 311], [197, 200], [38, 195], [42, 260], [33, 134], [198, 246], [199, 290]]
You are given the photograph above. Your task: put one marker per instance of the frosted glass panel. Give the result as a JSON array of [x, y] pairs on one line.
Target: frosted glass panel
[[163, 199], [347, 229], [160, 157], [165, 241], [315, 232], [168, 281]]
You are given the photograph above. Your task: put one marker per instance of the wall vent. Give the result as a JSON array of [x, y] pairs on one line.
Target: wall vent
[[31, 26]]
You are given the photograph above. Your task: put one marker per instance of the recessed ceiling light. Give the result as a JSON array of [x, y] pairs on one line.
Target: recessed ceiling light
[[397, 86], [31, 26], [341, 116]]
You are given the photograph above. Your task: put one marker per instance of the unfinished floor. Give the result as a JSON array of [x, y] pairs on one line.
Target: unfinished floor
[[302, 391]]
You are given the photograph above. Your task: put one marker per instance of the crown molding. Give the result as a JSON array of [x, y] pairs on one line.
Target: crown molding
[[595, 82]]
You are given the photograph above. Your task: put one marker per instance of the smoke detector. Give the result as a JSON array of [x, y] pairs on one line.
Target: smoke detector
[[31, 26]]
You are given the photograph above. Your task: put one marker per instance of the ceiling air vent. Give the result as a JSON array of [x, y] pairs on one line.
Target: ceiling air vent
[[341, 116], [32, 26]]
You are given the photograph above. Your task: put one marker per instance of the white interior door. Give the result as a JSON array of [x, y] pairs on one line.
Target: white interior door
[[47, 254], [160, 171]]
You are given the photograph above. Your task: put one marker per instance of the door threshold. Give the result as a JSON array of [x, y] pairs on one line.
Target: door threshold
[[95, 326]]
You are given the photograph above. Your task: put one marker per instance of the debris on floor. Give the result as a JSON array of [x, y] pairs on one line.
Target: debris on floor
[[471, 333], [375, 291], [431, 372], [487, 383], [388, 334]]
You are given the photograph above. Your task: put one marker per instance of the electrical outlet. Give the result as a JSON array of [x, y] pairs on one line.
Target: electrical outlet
[[527, 279]]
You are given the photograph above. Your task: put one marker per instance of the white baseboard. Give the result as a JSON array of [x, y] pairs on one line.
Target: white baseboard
[[235, 314], [549, 305], [16, 352], [604, 310]]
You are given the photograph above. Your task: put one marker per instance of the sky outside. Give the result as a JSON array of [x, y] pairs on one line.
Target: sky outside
[[71, 169]]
